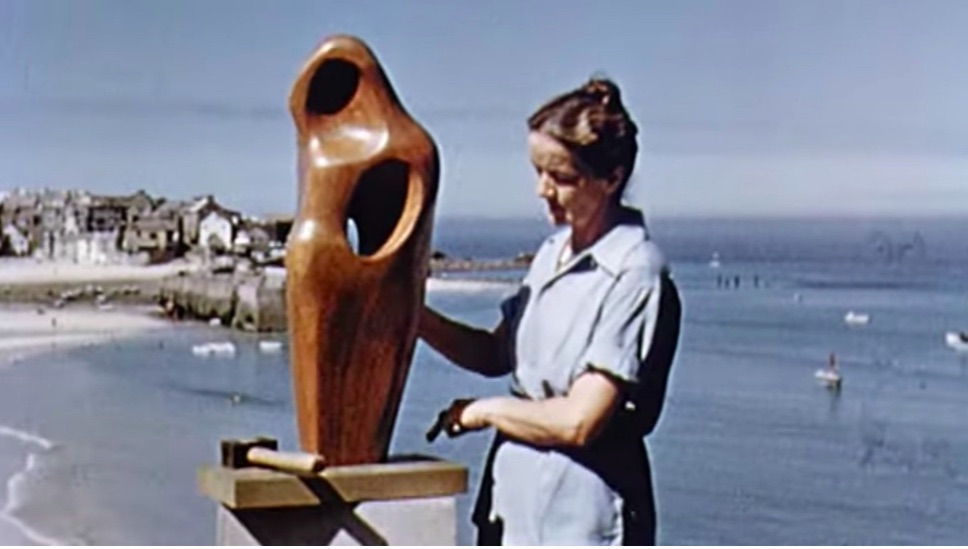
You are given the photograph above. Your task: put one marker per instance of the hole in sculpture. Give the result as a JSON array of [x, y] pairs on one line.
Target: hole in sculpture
[[377, 204], [332, 87], [353, 236]]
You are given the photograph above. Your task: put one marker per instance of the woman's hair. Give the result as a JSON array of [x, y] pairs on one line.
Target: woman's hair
[[592, 123]]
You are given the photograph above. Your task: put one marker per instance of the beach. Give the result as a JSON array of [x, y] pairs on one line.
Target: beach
[[28, 330], [19, 272], [25, 329], [25, 280]]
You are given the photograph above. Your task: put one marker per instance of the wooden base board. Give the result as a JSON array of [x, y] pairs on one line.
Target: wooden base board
[[259, 488]]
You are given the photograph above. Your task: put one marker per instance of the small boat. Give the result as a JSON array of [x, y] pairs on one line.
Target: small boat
[[957, 341], [857, 319], [270, 346], [714, 262], [223, 348], [828, 377]]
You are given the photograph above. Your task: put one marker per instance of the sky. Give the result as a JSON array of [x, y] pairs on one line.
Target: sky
[[746, 108]]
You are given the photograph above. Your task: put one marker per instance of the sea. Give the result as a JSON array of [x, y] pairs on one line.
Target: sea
[[100, 445]]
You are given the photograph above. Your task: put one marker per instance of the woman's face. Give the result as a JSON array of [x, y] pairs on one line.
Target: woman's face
[[573, 197]]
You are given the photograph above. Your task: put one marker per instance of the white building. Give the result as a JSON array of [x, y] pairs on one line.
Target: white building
[[15, 241], [216, 231]]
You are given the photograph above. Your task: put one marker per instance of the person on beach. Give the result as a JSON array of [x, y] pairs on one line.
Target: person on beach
[[588, 339]]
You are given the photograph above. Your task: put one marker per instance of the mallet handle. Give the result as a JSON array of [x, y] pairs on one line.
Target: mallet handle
[[300, 462]]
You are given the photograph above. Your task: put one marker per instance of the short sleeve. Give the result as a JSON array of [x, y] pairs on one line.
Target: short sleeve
[[622, 334]]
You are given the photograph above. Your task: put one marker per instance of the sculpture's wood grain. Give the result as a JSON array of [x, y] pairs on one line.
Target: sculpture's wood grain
[[352, 316]]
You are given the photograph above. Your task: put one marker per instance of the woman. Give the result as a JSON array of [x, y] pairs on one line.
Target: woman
[[589, 340]]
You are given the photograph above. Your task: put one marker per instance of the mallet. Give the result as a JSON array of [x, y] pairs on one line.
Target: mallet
[[263, 451]]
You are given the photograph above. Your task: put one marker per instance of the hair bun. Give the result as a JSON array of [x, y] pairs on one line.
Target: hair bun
[[604, 91], [593, 124]]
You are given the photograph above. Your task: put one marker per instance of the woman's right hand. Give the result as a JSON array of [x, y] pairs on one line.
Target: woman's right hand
[[449, 420]]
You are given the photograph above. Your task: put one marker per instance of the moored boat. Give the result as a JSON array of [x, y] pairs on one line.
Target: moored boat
[[857, 319], [268, 346], [223, 348], [714, 262], [828, 378], [957, 341]]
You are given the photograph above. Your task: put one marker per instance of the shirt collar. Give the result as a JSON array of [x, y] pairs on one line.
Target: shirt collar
[[610, 250]]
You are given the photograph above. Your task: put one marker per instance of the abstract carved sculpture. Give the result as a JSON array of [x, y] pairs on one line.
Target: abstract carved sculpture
[[352, 314]]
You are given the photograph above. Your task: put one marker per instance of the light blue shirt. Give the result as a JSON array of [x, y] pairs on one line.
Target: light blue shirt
[[597, 311]]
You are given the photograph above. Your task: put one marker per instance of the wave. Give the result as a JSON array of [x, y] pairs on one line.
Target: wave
[[466, 285], [16, 488], [24, 436]]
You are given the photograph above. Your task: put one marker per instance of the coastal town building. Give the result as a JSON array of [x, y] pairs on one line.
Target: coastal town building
[[157, 233], [197, 210], [216, 231], [94, 227], [20, 218], [14, 242], [81, 227]]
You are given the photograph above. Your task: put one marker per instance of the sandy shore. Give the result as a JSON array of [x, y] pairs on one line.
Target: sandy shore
[[27, 271], [46, 282], [18, 271], [468, 285], [26, 331]]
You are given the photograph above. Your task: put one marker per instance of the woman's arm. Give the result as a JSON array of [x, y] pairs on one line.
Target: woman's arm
[[572, 420], [470, 348]]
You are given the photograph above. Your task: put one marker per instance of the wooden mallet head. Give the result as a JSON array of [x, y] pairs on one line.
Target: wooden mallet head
[[235, 453], [264, 452]]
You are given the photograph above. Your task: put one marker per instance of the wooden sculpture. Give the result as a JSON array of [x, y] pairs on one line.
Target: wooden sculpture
[[352, 315]]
